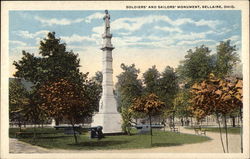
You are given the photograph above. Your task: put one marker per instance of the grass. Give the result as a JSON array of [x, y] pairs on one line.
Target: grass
[[231, 130], [62, 141]]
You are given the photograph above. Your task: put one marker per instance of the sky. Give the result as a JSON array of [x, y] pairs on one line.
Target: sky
[[145, 38]]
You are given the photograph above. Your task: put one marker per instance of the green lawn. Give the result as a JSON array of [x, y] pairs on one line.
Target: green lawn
[[62, 141], [231, 130]]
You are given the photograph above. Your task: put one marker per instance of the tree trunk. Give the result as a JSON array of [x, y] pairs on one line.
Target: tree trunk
[[34, 133], [151, 132], [233, 120], [220, 133], [164, 124], [238, 120], [207, 120], [225, 122], [20, 126], [128, 130], [173, 118], [42, 123], [74, 132], [57, 123]]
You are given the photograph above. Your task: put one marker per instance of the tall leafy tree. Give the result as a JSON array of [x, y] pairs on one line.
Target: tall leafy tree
[[167, 89], [216, 96], [226, 59], [182, 104], [198, 64], [151, 80], [18, 101], [150, 105], [54, 63], [64, 99], [128, 88]]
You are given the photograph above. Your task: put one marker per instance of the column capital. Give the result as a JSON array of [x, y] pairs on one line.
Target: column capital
[[109, 48]]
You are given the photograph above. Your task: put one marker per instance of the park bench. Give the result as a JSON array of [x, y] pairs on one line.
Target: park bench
[[173, 128], [145, 128], [69, 129], [199, 131]]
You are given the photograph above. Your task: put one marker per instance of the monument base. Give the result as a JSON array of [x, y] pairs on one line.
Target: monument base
[[111, 122]]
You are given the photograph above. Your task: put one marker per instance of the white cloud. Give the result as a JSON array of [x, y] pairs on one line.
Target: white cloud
[[123, 33], [196, 42], [133, 24], [154, 41], [224, 31], [168, 29], [234, 38], [238, 43], [99, 29], [96, 15], [210, 23], [55, 21], [77, 38], [28, 35], [18, 43], [64, 21]]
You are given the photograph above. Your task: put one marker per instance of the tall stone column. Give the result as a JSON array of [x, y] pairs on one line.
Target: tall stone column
[[107, 117]]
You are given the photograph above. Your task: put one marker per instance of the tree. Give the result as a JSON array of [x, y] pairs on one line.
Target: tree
[[128, 88], [167, 89], [226, 59], [54, 64], [34, 113], [151, 79], [149, 105], [96, 86], [64, 99], [198, 64], [18, 101], [98, 78], [217, 96], [182, 104]]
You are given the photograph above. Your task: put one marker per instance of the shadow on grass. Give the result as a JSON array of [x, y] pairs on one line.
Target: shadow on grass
[[53, 137], [99, 143], [165, 144]]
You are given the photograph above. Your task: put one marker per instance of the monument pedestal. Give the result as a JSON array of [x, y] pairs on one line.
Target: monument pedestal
[[111, 122]]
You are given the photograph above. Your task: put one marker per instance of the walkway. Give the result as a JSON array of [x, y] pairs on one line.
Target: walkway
[[212, 146], [17, 146]]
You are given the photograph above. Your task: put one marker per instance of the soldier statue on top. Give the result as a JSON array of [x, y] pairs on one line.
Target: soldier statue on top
[[106, 18]]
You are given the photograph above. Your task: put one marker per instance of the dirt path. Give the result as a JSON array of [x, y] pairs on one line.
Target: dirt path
[[212, 146], [17, 146]]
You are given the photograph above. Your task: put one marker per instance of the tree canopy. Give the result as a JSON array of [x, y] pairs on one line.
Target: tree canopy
[[226, 59], [55, 63], [216, 96], [128, 88], [198, 64], [151, 80]]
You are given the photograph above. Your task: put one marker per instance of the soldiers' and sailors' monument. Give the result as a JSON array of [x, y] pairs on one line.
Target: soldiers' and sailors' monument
[[107, 117]]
